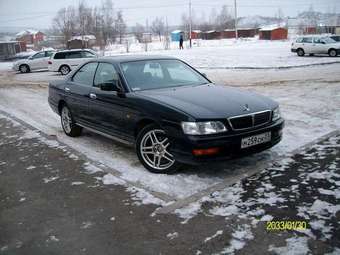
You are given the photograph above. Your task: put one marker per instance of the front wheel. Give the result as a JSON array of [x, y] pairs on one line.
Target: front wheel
[[300, 52], [332, 53], [153, 151], [24, 69], [68, 124]]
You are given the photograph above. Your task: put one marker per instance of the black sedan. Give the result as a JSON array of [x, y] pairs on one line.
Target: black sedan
[[171, 112]]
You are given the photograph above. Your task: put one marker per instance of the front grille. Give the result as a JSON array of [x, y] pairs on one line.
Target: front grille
[[250, 120]]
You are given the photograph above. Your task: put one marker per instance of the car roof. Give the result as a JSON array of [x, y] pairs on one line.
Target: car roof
[[74, 50], [131, 58]]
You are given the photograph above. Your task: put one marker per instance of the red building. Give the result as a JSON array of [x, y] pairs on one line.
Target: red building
[[196, 34], [241, 33], [30, 36], [273, 33]]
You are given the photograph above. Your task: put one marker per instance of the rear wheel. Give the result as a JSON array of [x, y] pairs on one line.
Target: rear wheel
[[300, 52], [68, 124], [24, 69], [64, 69], [153, 151], [332, 53]]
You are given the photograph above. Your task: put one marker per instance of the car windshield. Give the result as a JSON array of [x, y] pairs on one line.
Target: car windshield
[[328, 40], [157, 74]]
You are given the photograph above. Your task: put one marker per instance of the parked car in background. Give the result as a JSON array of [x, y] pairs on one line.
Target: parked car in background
[[67, 60], [171, 112], [37, 61], [335, 38], [315, 45]]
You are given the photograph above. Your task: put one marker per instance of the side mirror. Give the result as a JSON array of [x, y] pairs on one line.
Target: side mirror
[[109, 86], [323, 42], [30, 58]]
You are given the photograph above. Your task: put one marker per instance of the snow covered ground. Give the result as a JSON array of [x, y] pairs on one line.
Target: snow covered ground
[[219, 54]]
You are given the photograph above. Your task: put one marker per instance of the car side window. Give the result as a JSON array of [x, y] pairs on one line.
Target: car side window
[[307, 40], [106, 73], [39, 55], [60, 55], [318, 40], [84, 75], [73, 54], [87, 54]]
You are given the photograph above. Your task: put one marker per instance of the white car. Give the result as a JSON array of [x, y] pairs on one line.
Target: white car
[[67, 60], [38, 61], [316, 45]]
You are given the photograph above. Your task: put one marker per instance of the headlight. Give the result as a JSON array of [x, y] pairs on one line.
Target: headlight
[[276, 114], [203, 128]]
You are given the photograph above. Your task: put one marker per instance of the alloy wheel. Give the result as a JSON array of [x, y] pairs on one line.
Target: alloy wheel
[[64, 70], [154, 150], [66, 120]]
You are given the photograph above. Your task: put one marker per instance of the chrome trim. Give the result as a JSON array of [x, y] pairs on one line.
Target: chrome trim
[[107, 135], [253, 120]]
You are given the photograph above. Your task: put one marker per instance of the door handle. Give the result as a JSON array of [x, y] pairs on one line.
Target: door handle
[[93, 96], [67, 89]]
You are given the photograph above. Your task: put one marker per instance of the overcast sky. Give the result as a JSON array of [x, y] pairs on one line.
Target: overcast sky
[[39, 13]]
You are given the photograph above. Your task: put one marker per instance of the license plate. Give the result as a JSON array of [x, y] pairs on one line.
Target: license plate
[[255, 140]]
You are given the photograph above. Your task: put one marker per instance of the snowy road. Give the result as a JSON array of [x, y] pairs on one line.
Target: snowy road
[[308, 116]]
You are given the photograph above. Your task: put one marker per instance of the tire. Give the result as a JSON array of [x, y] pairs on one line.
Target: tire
[[332, 53], [64, 69], [151, 147], [68, 124], [300, 52], [24, 68]]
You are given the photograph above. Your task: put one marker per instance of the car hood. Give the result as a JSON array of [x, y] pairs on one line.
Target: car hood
[[19, 62], [210, 101]]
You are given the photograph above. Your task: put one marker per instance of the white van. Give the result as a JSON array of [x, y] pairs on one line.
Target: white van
[[316, 45], [67, 60]]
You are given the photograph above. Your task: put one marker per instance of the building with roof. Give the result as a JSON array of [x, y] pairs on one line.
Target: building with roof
[[211, 35], [176, 35], [273, 32], [8, 49], [81, 42], [30, 36]]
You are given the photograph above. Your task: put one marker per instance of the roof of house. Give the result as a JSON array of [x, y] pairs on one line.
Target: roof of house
[[27, 32], [83, 37], [271, 27], [176, 31]]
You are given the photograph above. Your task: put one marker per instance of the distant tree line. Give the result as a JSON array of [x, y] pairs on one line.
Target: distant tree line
[[103, 21]]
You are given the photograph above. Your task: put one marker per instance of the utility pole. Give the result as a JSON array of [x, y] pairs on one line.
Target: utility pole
[[190, 24], [235, 9]]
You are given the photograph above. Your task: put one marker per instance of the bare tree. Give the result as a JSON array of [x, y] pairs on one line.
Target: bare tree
[[280, 17], [158, 27], [224, 20], [120, 26], [138, 31], [65, 22], [108, 27]]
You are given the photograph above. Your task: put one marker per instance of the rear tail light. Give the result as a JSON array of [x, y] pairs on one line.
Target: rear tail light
[[49, 62]]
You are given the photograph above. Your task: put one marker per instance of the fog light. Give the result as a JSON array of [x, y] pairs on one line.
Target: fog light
[[204, 152]]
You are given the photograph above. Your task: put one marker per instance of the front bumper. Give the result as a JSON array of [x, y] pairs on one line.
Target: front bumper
[[229, 145]]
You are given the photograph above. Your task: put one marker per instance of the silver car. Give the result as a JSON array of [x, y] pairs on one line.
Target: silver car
[[315, 45]]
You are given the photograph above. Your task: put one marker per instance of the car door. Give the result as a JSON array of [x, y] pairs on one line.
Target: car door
[[319, 46], [73, 59], [77, 91], [37, 61], [109, 111], [307, 44]]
